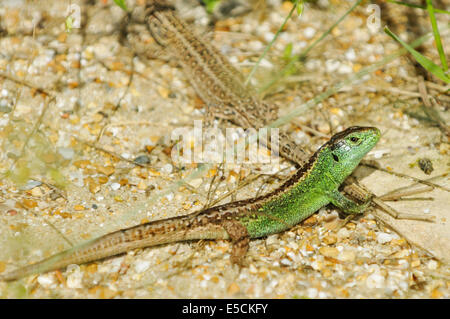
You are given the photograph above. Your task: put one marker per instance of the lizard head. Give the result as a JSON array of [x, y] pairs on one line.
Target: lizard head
[[345, 150]]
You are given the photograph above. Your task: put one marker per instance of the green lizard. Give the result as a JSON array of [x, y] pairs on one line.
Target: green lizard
[[310, 188]]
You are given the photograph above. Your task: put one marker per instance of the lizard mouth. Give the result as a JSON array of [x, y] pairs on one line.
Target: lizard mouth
[[375, 132], [371, 137]]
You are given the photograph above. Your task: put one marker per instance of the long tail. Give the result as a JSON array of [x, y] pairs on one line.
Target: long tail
[[189, 227]]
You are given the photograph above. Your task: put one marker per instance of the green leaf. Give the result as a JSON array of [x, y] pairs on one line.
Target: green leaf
[[437, 37], [58, 177], [423, 61], [69, 24], [122, 4], [20, 175], [300, 7], [210, 5], [287, 53]]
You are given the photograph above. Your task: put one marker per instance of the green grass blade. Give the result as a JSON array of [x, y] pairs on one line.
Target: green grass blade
[[300, 7], [425, 62], [210, 5], [121, 4], [417, 6], [69, 24], [437, 36]]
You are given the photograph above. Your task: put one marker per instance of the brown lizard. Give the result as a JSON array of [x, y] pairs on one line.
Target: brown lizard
[[219, 84]]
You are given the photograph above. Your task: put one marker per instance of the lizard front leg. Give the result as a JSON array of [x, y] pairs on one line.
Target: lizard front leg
[[240, 239], [347, 205]]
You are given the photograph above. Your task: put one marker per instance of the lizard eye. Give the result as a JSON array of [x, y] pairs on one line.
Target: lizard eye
[[354, 139]]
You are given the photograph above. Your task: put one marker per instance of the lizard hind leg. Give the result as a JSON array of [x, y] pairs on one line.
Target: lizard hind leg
[[240, 240]]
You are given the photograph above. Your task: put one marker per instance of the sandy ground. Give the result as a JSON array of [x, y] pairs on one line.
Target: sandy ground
[[79, 109]]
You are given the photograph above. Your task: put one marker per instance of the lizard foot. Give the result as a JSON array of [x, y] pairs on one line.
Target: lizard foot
[[240, 239], [239, 251]]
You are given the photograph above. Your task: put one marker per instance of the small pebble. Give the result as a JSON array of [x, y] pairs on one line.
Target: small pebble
[[142, 266], [30, 185], [141, 185], [432, 265], [115, 186], [37, 192], [142, 159], [4, 108], [67, 153], [345, 69], [233, 288], [309, 32], [286, 262], [329, 251], [330, 239], [169, 196], [383, 238], [75, 276], [375, 280], [347, 256], [106, 170], [11, 212], [312, 293], [46, 280], [350, 54], [272, 240], [343, 233], [167, 169], [196, 182]]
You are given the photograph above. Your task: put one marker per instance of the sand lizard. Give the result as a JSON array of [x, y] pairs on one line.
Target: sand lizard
[[310, 188]]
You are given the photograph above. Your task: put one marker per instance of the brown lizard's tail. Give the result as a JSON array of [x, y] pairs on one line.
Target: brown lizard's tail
[[52, 263], [189, 227]]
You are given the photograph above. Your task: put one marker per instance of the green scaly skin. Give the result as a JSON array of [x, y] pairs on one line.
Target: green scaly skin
[[312, 187], [318, 185]]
